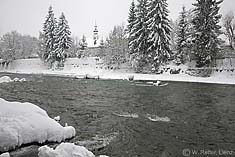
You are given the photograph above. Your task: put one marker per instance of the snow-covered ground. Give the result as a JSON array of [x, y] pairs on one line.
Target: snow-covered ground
[[92, 67], [24, 123]]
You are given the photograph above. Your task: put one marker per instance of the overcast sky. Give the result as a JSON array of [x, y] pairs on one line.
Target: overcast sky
[[27, 16]]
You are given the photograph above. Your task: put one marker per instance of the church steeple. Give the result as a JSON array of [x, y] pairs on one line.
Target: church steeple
[[95, 36]]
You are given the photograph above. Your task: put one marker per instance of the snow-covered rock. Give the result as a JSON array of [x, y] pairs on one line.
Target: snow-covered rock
[[22, 80], [57, 118], [65, 150], [5, 79], [5, 155], [22, 123], [131, 77], [16, 79], [156, 118], [89, 76]]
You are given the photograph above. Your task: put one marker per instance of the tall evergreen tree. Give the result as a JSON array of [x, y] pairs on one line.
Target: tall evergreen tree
[[131, 20], [49, 31], [183, 35], [131, 17], [83, 43], [139, 32], [159, 27], [207, 28], [63, 40]]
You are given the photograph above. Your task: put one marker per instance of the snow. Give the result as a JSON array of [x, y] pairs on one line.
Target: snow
[[7, 79], [65, 150], [57, 118], [156, 118], [79, 68], [127, 115], [23, 123], [5, 155], [16, 79]]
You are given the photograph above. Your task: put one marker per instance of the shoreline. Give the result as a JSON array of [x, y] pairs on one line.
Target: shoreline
[[227, 78]]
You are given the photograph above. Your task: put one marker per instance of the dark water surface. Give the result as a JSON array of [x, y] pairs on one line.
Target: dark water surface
[[202, 116]]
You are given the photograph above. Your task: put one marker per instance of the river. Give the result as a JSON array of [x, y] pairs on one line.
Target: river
[[121, 118]]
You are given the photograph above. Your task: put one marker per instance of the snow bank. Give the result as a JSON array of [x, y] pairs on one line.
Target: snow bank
[[22, 123], [91, 66], [65, 150], [5, 155]]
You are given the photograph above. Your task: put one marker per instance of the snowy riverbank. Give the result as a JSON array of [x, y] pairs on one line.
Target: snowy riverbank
[[216, 78], [79, 68]]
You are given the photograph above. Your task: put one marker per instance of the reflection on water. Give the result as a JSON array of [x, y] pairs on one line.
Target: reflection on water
[[117, 118]]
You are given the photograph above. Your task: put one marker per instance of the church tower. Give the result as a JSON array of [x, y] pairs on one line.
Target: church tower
[[95, 35]]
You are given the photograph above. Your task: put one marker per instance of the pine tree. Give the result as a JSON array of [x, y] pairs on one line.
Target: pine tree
[[183, 35], [49, 31], [207, 28], [83, 43], [63, 40], [131, 20], [160, 29], [131, 17], [139, 33]]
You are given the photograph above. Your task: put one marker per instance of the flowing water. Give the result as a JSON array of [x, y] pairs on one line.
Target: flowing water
[[120, 118]]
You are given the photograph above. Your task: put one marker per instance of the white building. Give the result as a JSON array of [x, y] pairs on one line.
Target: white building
[[95, 41]]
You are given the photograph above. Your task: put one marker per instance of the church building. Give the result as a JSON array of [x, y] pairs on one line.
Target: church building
[[95, 41]]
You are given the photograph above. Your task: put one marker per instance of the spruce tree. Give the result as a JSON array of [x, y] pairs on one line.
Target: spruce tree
[[83, 43], [182, 37], [207, 30], [49, 31], [131, 17], [131, 20], [139, 33], [159, 27], [63, 40]]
